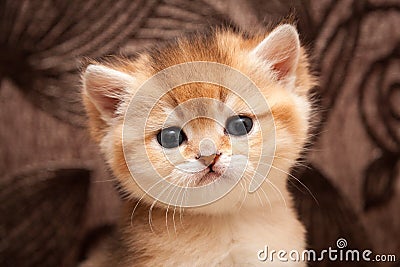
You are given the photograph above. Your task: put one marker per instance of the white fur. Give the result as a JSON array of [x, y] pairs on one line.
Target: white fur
[[236, 240]]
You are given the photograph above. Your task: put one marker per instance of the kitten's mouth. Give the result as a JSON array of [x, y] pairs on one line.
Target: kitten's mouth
[[208, 176]]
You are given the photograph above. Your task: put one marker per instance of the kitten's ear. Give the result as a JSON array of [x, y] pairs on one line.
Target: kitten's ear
[[104, 87], [280, 50]]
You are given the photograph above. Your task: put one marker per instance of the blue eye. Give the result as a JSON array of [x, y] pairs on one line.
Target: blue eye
[[171, 137], [238, 125]]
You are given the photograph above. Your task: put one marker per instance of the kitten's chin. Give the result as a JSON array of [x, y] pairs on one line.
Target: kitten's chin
[[228, 204], [208, 178]]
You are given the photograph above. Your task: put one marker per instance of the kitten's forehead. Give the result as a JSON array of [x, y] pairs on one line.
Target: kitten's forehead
[[191, 91], [189, 102], [205, 99]]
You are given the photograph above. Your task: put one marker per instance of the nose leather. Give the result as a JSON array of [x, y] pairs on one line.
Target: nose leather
[[208, 160]]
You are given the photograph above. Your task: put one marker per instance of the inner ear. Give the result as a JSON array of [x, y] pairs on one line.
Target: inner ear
[[104, 88], [280, 51]]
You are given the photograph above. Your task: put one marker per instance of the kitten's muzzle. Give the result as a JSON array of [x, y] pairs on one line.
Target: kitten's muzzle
[[209, 160]]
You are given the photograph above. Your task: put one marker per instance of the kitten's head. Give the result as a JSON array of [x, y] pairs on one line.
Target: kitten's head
[[198, 133]]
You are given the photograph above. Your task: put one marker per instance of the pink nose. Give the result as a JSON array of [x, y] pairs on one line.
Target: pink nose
[[210, 159]]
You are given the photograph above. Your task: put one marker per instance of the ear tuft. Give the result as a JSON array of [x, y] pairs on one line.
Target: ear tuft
[[104, 88], [280, 50]]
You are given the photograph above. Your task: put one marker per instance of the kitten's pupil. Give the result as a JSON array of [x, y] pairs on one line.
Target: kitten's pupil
[[239, 125], [171, 137]]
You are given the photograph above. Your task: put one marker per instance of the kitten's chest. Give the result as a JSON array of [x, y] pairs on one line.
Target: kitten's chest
[[241, 250], [246, 241], [228, 243], [223, 248]]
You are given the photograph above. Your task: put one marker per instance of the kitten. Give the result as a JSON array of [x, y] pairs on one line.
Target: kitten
[[214, 132]]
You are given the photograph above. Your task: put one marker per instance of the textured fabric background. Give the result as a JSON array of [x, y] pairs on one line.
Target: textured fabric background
[[56, 192]]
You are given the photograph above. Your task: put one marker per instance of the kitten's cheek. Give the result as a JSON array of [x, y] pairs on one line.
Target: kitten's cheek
[[186, 153], [220, 168]]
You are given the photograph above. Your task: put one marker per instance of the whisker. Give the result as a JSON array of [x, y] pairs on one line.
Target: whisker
[[296, 162], [291, 175], [150, 215], [273, 185], [289, 180], [267, 198], [279, 191], [258, 194], [181, 209], [245, 194], [166, 212], [152, 206], [134, 209], [180, 190], [248, 178], [259, 197]]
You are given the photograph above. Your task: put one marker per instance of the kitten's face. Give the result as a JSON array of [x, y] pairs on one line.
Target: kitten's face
[[197, 138], [201, 134]]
